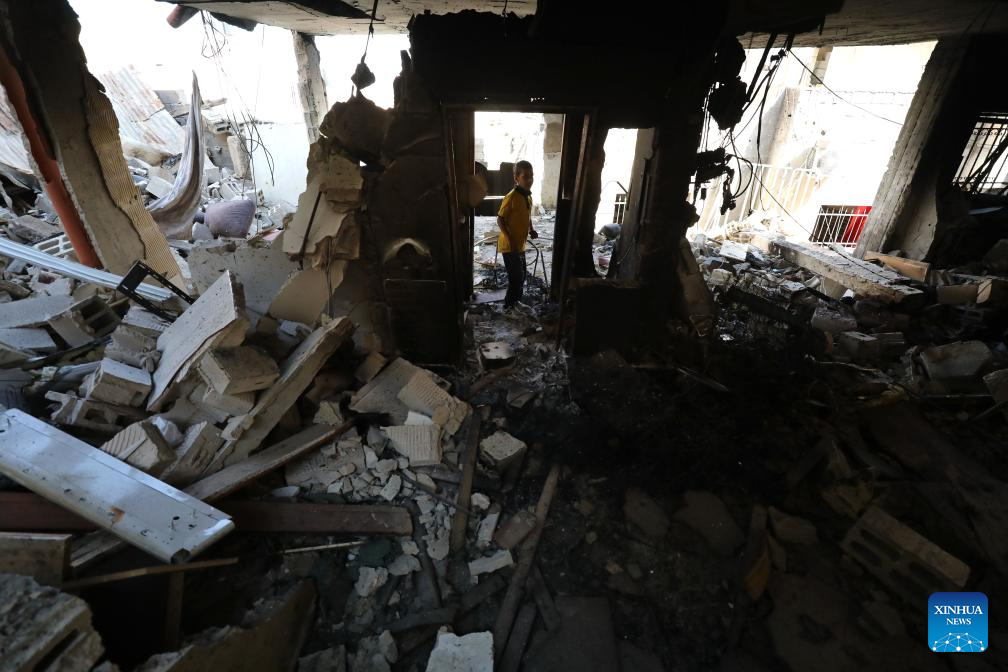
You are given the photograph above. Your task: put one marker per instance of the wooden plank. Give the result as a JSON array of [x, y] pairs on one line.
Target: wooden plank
[[916, 270], [26, 511], [44, 557], [237, 476], [296, 373], [461, 519], [305, 518], [216, 319], [518, 640], [134, 506], [173, 611], [864, 278], [509, 605]]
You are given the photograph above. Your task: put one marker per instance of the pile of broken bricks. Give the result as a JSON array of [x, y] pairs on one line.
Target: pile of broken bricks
[[192, 409]]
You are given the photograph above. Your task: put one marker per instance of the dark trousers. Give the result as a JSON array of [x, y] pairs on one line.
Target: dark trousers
[[514, 262]]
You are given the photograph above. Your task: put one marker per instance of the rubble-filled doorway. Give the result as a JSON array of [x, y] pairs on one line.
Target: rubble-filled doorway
[[500, 140]]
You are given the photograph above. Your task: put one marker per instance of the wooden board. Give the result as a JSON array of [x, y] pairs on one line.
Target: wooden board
[[305, 518], [234, 478], [134, 506], [916, 270], [44, 557]]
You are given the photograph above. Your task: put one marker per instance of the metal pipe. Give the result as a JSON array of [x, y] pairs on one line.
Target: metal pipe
[[43, 156]]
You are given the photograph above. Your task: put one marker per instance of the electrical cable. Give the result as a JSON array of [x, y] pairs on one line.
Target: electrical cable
[[866, 111]]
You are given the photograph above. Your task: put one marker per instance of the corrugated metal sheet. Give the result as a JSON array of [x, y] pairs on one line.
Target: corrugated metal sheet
[[142, 116]]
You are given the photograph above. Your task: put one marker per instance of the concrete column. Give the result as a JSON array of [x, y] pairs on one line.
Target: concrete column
[[311, 86]]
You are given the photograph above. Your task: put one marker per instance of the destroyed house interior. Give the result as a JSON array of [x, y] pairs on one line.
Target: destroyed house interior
[[471, 336]]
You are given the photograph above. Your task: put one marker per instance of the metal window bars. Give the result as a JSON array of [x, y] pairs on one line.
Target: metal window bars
[[984, 165], [791, 187], [840, 224]]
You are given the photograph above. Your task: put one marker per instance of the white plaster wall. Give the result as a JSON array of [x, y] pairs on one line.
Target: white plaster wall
[[619, 155]]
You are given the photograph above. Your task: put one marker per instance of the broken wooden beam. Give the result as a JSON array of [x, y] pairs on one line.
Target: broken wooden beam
[[237, 476], [911, 268], [509, 606], [305, 518], [460, 521]]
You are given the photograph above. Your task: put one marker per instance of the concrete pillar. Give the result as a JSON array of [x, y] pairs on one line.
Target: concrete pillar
[[552, 144], [311, 86]]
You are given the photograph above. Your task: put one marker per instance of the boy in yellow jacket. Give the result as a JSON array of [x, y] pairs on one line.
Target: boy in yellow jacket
[[515, 221]]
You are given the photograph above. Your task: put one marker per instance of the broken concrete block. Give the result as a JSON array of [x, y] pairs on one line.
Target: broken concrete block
[[169, 430], [369, 580], [370, 367], [832, 321], [471, 653], [132, 346], [329, 413], [707, 514], [195, 452], [860, 347], [902, 559], [380, 394], [387, 646], [486, 529], [97, 415], [479, 501], [226, 404], [491, 563], [117, 383], [238, 370], [792, 529], [962, 359], [141, 445], [85, 321], [145, 322], [514, 529], [500, 450], [44, 628], [420, 443], [403, 565], [391, 488]]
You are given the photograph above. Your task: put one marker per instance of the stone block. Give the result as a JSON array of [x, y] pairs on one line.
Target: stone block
[[235, 371]]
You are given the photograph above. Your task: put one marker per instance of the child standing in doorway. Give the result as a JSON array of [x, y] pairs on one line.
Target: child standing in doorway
[[515, 221]]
